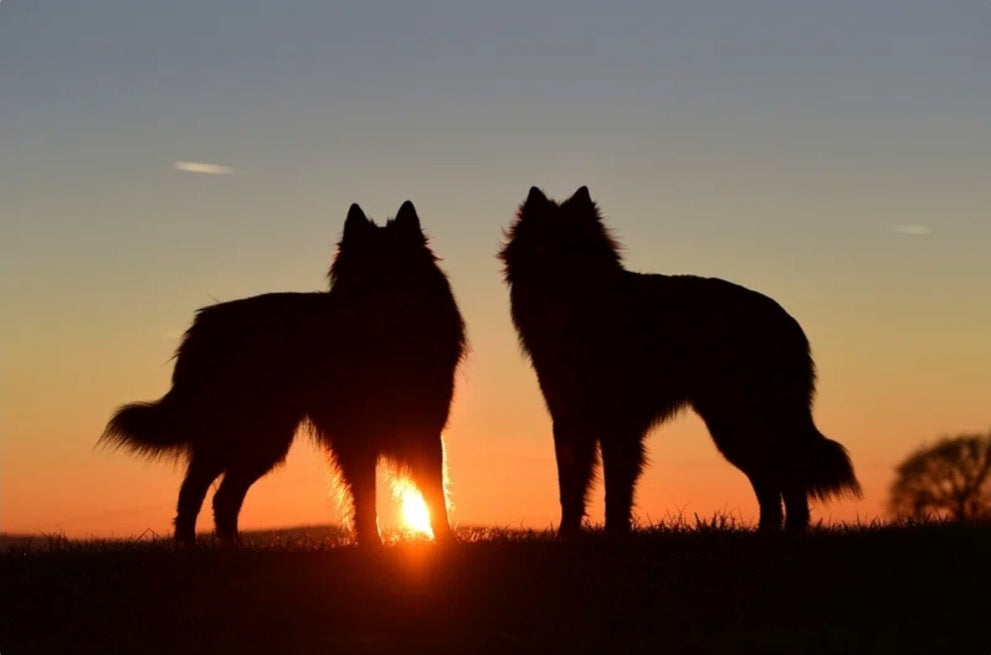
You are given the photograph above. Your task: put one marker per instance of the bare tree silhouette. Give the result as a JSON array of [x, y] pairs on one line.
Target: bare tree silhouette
[[950, 479]]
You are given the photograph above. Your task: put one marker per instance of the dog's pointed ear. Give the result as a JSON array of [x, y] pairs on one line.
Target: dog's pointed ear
[[356, 224], [407, 222], [581, 197], [582, 205], [535, 198]]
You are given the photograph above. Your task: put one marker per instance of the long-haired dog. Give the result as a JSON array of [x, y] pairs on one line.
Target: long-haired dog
[[370, 365], [617, 352]]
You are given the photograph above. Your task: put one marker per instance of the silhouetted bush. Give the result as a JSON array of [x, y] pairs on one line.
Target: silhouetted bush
[[951, 479]]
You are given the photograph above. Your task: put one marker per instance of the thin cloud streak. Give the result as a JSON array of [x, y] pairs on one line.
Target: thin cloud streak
[[911, 229], [200, 167]]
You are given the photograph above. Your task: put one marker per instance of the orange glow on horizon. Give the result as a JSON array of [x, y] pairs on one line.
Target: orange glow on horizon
[[414, 515]]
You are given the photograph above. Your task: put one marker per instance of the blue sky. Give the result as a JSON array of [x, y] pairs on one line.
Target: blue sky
[[833, 155]]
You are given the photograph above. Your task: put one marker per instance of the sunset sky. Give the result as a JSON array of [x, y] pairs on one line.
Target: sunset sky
[[156, 157]]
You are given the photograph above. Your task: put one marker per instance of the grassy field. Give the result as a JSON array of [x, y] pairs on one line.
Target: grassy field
[[883, 589]]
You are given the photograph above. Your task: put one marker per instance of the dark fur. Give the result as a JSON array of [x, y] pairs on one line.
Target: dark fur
[[617, 352], [369, 363]]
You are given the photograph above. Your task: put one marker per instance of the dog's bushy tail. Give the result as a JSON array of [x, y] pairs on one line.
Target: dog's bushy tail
[[148, 428], [829, 471]]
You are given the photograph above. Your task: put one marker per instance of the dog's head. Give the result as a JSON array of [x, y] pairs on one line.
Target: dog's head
[[384, 255], [550, 240]]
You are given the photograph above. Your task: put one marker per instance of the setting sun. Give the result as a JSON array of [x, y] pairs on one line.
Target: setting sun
[[413, 512]]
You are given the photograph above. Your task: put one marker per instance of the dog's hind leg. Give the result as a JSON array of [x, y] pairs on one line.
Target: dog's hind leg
[[796, 508], [202, 471], [622, 460], [574, 447], [230, 496], [743, 440], [269, 447], [769, 500]]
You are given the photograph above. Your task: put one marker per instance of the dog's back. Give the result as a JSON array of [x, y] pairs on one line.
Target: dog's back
[[254, 349], [710, 336]]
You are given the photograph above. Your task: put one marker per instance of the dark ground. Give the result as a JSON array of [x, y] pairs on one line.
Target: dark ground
[[922, 589]]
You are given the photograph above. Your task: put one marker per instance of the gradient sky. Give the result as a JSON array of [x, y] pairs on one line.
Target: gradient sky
[[833, 155]]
